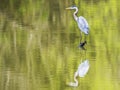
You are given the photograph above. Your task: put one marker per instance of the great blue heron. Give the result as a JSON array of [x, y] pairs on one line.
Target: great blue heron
[[81, 72], [81, 21]]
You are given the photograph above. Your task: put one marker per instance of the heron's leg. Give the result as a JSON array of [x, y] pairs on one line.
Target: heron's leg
[[80, 37], [85, 38]]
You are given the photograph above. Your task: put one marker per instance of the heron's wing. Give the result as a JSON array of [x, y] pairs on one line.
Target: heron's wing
[[83, 24], [83, 68]]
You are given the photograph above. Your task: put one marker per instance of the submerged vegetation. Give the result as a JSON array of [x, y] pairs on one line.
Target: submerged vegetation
[[39, 44]]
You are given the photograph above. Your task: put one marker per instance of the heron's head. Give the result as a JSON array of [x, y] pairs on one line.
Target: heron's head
[[72, 7]]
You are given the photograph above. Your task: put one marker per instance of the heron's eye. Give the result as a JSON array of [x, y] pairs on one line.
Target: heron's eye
[[73, 6]]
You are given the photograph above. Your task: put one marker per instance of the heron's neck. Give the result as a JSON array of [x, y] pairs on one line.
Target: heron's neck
[[76, 81], [75, 14]]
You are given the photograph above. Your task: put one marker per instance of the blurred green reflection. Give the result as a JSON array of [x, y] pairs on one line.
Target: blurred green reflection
[[39, 45]]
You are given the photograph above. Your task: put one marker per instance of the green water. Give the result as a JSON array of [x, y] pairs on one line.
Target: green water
[[39, 42]]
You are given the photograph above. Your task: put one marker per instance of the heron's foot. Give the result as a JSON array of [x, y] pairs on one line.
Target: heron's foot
[[83, 43]]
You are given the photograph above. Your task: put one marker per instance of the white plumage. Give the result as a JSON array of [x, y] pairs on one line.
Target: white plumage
[[83, 25]]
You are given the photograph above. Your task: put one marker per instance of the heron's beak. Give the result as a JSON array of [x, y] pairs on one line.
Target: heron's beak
[[68, 8]]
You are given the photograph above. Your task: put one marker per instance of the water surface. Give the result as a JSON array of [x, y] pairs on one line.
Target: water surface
[[39, 45]]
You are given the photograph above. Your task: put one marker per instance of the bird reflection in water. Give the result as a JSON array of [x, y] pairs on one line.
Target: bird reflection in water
[[81, 72]]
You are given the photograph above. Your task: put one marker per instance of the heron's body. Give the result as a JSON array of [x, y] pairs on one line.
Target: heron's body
[[83, 25], [81, 21]]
